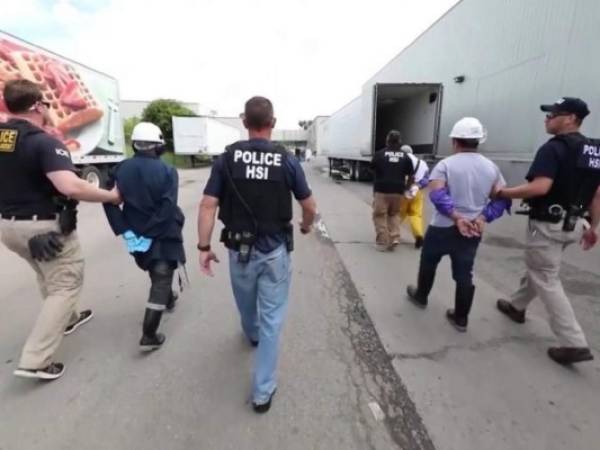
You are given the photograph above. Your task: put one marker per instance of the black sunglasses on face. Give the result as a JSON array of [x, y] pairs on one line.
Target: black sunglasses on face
[[551, 116]]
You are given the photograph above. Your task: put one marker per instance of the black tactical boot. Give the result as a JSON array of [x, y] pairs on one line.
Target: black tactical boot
[[151, 340]]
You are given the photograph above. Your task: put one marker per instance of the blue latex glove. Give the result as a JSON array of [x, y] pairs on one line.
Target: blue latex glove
[[136, 243], [423, 182]]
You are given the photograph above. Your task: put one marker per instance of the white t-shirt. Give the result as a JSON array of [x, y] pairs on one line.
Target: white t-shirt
[[421, 168]]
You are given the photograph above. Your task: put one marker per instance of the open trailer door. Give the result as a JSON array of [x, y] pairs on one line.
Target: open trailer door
[[414, 109]]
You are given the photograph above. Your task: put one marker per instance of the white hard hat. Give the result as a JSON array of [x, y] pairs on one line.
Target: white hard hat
[[406, 148], [469, 128], [147, 132]]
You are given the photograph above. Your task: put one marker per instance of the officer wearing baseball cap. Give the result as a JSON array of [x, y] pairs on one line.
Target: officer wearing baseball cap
[[567, 106], [563, 185]]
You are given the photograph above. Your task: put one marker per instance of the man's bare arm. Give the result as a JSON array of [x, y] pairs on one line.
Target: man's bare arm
[[309, 212], [69, 184], [206, 219], [536, 188], [595, 210]]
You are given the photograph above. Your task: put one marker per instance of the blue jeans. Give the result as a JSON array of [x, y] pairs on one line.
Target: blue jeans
[[261, 288]]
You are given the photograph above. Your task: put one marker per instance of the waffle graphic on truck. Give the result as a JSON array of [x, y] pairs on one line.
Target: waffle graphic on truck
[[72, 105]]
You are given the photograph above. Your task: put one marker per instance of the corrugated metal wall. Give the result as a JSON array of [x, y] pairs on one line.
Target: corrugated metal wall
[[515, 55]]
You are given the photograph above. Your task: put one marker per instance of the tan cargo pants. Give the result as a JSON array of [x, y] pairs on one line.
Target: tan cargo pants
[[386, 217], [543, 253], [60, 282]]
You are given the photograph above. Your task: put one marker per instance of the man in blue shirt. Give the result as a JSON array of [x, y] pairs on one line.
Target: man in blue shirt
[[151, 223], [251, 185]]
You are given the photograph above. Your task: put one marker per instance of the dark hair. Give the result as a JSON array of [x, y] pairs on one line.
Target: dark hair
[[467, 143], [258, 113], [20, 95], [393, 139]]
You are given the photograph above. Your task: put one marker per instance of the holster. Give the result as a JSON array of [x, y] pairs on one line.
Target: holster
[[67, 214], [234, 239]]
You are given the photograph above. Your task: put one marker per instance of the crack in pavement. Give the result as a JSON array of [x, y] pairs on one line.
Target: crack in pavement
[[495, 343], [376, 379]]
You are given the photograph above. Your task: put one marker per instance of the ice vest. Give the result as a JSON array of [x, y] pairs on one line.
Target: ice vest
[[24, 187]]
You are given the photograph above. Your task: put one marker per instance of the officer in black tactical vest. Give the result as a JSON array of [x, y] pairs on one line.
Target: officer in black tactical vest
[[563, 186], [251, 185], [39, 190], [393, 169]]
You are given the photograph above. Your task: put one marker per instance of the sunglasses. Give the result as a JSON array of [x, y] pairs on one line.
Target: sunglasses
[[551, 116]]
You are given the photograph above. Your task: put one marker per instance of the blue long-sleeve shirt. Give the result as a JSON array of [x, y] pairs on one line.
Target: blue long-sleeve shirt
[[149, 189]]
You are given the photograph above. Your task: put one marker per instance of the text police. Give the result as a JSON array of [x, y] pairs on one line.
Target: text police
[[257, 163]]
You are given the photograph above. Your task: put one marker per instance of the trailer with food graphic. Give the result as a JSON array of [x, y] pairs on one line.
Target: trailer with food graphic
[[83, 104]]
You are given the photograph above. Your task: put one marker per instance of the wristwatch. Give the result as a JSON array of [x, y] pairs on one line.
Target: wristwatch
[[203, 248]]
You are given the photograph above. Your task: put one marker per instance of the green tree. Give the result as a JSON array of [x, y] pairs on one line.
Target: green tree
[[160, 113], [128, 126], [305, 124]]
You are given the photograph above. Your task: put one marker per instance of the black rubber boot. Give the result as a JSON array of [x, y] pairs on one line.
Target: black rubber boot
[[419, 294], [151, 340], [172, 301], [463, 300]]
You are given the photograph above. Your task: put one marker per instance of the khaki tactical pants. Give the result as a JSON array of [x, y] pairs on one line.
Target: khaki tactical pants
[[60, 282], [386, 218], [544, 248]]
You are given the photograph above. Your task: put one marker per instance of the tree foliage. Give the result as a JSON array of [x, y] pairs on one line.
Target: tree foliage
[[305, 124], [160, 112]]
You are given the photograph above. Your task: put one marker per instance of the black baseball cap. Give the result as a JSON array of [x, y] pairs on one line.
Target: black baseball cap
[[572, 105]]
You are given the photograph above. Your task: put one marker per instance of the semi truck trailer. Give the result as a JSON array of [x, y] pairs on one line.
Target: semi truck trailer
[[202, 136], [352, 134], [84, 104]]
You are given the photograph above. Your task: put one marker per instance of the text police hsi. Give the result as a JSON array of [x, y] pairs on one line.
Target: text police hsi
[[256, 162]]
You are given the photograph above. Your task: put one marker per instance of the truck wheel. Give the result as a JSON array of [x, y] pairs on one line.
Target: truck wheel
[[92, 175], [364, 172], [354, 166]]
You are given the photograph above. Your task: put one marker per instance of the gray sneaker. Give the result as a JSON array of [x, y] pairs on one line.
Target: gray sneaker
[[84, 317]]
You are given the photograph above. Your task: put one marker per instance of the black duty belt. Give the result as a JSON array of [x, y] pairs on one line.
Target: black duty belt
[[28, 216], [553, 213]]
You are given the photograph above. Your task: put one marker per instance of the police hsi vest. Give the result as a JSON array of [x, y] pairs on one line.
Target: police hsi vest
[[24, 188], [258, 176], [391, 171], [584, 156]]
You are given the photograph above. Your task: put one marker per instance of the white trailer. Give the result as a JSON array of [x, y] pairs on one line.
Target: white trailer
[[202, 136], [352, 134], [84, 104]]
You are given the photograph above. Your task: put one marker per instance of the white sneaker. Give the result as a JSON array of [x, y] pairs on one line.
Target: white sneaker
[[52, 372]]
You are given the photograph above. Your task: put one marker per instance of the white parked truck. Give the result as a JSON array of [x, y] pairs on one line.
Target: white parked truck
[[202, 136], [352, 134], [84, 104]]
